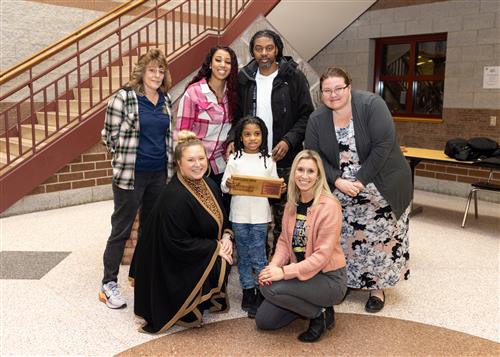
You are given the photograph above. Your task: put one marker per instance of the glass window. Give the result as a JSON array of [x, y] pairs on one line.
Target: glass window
[[431, 58], [396, 59], [428, 98], [409, 74], [394, 94]]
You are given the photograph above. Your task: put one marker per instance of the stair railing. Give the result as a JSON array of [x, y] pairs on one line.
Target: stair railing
[[43, 95]]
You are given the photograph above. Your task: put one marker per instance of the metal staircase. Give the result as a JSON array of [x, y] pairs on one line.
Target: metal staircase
[[52, 105]]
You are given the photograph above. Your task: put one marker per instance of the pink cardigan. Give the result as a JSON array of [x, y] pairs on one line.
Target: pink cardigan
[[323, 250]]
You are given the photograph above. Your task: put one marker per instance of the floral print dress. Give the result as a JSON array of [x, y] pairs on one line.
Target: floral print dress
[[374, 241]]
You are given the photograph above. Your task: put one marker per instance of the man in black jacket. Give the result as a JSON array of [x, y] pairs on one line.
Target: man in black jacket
[[274, 89]]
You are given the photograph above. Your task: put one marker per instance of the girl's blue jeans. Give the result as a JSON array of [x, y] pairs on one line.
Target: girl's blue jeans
[[251, 247]]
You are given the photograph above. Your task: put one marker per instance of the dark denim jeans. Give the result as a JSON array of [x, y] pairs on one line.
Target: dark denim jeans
[[251, 247], [147, 188]]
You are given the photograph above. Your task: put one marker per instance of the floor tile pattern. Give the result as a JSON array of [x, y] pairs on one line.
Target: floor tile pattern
[[28, 265]]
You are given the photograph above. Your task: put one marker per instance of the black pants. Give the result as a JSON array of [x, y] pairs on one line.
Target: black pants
[[278, 207], [287, 300], [147, 188]]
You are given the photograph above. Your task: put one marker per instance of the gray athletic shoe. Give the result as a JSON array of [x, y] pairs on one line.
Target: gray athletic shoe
[[111, 296]]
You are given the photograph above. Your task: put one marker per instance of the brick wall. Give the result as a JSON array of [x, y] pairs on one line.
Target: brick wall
[[92, 168], [455, 172]]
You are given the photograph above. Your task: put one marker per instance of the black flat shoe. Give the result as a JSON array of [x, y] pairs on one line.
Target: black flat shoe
[[316, 328], [374, 304], [248, 299], [329, 317], [252, 310]]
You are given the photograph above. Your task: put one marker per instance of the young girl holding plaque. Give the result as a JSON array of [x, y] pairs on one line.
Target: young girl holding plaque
[[250, 215]]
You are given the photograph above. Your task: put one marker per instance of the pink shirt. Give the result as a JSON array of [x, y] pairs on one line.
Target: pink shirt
[[200, 113], [323, 250]]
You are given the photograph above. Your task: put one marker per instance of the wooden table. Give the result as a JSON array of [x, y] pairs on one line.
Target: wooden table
[[429, 154], [415, 155]]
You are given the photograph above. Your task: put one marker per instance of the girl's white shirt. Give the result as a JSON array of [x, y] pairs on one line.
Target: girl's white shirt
[[249, 209]]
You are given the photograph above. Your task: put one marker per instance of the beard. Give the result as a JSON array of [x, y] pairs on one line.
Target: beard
[[265, 65]]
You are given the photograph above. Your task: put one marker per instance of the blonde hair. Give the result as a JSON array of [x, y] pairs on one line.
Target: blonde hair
[[185, 139], [321, 185], [154, 56]]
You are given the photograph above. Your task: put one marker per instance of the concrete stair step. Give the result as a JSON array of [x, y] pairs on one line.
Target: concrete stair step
[[115, 83], [96, 95], [52, 116], [143, 49], [39, 131], [126, 60], [3, 158], [73, 105], [14, 145], [115, 72]]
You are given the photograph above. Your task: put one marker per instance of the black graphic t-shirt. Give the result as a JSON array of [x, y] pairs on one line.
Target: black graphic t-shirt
[[299, 239]]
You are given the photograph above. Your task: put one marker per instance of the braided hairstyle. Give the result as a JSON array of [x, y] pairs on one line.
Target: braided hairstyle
[[238, 143]]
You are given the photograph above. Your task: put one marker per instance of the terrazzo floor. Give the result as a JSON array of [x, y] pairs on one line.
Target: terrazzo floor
[[454, 284]]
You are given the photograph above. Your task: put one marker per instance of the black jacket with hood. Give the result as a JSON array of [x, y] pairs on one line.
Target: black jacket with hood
[[290, 102]]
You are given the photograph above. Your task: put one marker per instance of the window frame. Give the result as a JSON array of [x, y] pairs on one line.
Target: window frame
[[411, 78]]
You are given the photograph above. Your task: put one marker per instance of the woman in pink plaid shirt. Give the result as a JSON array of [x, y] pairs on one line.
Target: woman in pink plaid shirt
[[208, 105]]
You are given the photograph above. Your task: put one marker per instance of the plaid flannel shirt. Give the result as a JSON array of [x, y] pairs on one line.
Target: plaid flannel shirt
[[200, 113], [121, 136]]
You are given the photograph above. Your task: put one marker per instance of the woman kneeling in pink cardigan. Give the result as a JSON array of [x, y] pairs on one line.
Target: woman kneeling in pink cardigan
[[306, 276]]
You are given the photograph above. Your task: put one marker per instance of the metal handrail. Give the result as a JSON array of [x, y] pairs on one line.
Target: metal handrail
[[69, 40], [50, 92]]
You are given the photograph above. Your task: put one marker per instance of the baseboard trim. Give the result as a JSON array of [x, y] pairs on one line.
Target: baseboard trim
[[452, 188], [60, 199]]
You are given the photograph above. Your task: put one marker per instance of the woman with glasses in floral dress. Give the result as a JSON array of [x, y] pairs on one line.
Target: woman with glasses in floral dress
[[355, 136]]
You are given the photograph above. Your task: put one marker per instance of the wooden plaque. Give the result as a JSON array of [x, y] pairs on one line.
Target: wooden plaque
[[256, 186]]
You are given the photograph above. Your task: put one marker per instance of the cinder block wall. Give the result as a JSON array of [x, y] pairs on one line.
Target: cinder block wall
[[473, 29]]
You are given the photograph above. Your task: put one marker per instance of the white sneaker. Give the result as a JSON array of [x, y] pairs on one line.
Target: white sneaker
[[111, 296]]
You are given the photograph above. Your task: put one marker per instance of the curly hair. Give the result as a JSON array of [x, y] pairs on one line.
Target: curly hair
[[238, 142], [231, 81], [278, 42], [155, 56]]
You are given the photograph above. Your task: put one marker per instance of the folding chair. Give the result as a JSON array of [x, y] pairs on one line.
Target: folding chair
[[481, 185]]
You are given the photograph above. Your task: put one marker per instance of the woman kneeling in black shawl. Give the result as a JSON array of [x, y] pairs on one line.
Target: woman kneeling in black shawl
[[183, 259]]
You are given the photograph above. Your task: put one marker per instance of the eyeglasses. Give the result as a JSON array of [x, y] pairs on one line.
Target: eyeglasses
[[337, 91]]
